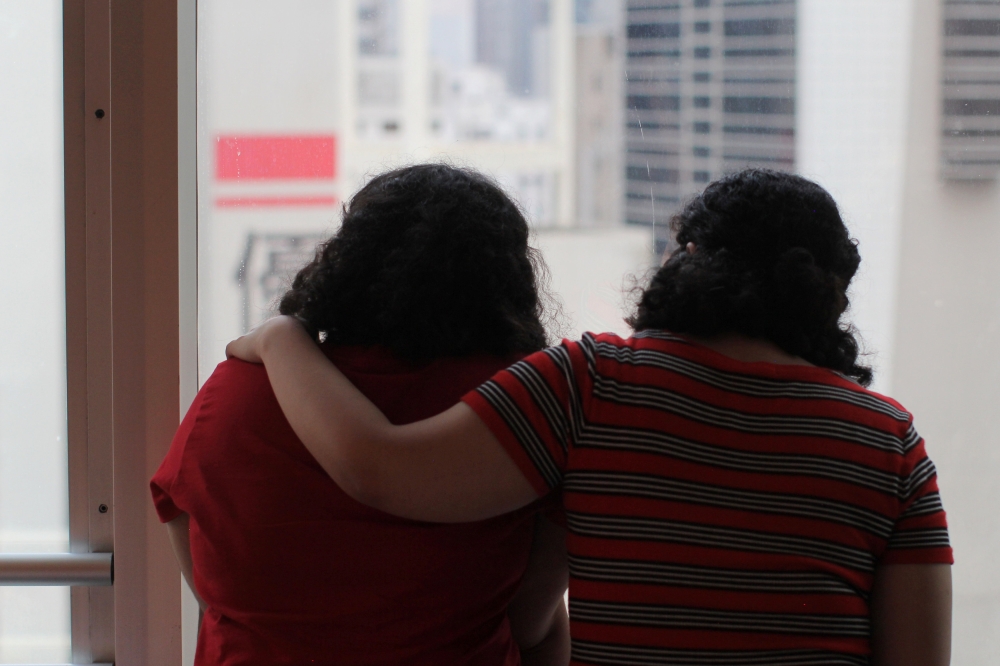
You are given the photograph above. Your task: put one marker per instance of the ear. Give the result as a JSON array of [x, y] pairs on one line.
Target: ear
[[691, 248]]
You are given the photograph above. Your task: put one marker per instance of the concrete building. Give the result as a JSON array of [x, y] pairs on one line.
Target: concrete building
[[600, 107], [710, 89], [970, 124]]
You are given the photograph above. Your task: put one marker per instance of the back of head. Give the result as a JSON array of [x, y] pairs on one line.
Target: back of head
[[430, 261], [773, 260]]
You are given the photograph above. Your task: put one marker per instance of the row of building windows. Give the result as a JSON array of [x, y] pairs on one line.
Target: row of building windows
[[972, 27], [649, 174], [762, 105], [747, 50], [641, 7], [697, 151], [706, 77], [646, 197], [705, 52], [741, 28], [972, 107], [970, 92], [972, 53], [980, 133], [764, 130]]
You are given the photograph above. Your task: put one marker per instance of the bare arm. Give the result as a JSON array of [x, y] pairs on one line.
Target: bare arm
[[911, 615], [537, 614], [179, 529], [449, 468]]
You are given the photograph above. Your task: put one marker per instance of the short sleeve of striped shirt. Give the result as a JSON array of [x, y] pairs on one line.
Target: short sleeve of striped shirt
[[536, 408], [920, 533]]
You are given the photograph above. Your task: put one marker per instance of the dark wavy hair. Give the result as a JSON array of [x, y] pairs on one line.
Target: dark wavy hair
[[773, 260], [430, 261]]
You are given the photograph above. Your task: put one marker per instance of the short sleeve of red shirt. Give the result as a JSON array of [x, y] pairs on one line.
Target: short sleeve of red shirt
[[536, 408], [162, 484], [920, 535]]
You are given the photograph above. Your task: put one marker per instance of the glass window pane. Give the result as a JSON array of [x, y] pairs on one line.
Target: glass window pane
[[601, 117], [271, 142], [490, 69], [298, 105], [34, 622]]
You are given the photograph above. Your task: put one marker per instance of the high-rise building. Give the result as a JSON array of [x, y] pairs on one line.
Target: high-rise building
[[600, 106], [710, 89], [379, 70], [510, 37], [970, 121]]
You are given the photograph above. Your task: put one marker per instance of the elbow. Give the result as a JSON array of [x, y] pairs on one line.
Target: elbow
[[361, 488], [359, 476]]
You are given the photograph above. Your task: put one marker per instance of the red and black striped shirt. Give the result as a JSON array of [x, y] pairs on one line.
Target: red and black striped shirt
[[719, 512]]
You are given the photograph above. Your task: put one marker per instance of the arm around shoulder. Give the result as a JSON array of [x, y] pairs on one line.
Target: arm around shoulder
[[449, 468]]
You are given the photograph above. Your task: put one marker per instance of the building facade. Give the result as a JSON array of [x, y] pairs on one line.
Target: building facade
[[600, 113], [970, 91], [710, 89]]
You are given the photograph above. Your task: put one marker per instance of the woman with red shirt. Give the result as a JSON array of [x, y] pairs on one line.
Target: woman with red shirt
[[733, 493], [427, 290]]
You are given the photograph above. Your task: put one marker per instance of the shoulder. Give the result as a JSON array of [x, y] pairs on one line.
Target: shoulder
[[236, 392], [608, 352], [233, 387], [865, 417], [613, 345], [234, 377], [820, 392], [601, 353], [885, 402], [886, 412]]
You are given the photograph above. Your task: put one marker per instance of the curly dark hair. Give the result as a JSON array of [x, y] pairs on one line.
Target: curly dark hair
[[430, 261], [773, 260]]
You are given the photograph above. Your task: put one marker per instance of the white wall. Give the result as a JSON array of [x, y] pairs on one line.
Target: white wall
[[928, 297], [593, 273], [947, 346], [853, 74]]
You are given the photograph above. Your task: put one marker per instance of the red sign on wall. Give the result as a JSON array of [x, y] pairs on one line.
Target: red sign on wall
[[272, 157]]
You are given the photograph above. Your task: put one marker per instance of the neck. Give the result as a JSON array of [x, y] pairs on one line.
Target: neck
[[749, 350]]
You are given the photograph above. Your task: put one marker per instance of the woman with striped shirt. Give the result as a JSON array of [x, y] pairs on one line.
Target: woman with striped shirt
[[733, 492]]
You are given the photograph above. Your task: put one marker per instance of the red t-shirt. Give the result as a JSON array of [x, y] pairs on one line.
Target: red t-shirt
[[296, 572], [719, 512]]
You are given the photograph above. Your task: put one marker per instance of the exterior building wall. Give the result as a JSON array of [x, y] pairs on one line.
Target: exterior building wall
[[710, 90], [851, 117], [599, 118], [970, 123], [947, 341]]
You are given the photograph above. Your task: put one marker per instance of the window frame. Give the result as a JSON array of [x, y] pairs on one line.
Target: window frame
[[123, 321]]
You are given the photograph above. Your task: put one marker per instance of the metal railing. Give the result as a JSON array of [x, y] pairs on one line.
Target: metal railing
[[64, 569]]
